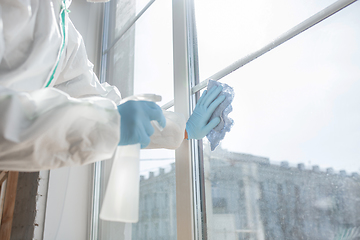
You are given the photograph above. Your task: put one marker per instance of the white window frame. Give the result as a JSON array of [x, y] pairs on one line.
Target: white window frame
[[190, 183]]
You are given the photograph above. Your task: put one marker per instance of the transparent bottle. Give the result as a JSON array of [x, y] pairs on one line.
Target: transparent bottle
[[121, 201]]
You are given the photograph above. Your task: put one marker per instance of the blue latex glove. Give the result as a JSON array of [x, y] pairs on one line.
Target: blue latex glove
[[135, 121], [198, 125]]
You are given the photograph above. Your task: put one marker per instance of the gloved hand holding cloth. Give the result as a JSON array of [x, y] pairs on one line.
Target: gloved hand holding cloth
[[198, 125]]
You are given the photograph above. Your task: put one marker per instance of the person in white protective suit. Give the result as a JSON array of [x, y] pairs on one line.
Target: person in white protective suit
[[53, 110]]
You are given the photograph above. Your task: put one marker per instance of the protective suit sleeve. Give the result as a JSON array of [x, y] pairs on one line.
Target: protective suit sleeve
[[48, 129], [172, 135]]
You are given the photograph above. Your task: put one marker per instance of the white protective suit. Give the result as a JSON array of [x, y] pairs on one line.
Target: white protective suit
[[53, 110]]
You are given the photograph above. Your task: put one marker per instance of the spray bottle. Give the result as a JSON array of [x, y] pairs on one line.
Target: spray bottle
[[121, 201]]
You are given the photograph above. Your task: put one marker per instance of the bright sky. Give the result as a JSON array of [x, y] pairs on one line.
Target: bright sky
[[299, 102]]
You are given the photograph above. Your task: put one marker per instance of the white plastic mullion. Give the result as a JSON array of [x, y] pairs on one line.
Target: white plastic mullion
[[184, 187]]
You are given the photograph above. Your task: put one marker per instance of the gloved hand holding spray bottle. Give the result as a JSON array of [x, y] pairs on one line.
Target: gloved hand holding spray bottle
[[121, 201]]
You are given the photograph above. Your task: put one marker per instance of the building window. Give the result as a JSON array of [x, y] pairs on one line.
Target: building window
[[297, 102]]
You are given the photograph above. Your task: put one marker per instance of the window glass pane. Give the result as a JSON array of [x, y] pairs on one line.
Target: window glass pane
[[158, 196], [229, 30], [289, 168], [125, 11], [153, 71], [141, 62]]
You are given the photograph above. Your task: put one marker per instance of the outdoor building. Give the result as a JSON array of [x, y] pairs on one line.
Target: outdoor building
[[253, 198]]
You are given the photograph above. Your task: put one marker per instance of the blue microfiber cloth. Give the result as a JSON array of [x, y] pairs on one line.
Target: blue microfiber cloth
[[218, 133]]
